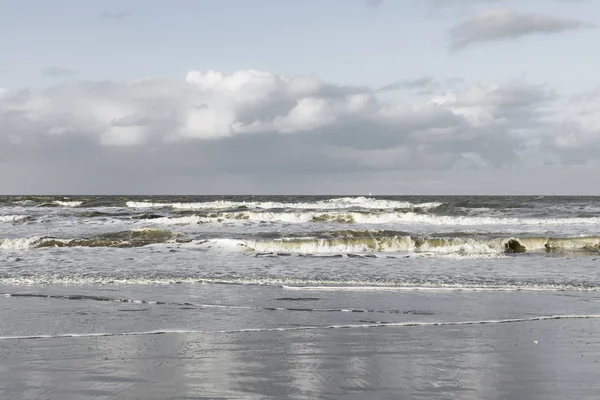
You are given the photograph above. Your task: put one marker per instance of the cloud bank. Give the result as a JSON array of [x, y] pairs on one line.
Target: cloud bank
[[254, 126]]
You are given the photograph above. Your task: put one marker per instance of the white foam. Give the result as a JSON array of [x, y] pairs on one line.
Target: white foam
[[332, 204], [296, 284], [187, 220], [459, 247], [19, 243], [439, 288], [310, 246], [12, 218], [451, 220], [412, 218], [407, 324], [68, 203], [230, 245]]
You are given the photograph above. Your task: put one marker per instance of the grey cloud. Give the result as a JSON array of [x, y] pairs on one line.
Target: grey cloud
[[502, 24], [130, 120], [373, 3], [587, 96], [454, 81], [425, 85], [417, 83], [166, 135], [467, 3], [57, 72], [453, 3], [119, 15]]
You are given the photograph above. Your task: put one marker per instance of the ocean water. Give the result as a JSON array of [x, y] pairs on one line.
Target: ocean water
[[311, 272]]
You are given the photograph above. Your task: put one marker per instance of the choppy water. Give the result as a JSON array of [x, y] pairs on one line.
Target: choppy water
[[500, 243]]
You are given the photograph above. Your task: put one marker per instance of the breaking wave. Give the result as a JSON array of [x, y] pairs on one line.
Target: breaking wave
[[68, 203], [132, 238], [300, 284], [370, 218], [13, 218], [336, 242], [332, 204], [403, 244]]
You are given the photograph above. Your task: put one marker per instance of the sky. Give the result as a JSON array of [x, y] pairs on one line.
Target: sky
[[345, 97]]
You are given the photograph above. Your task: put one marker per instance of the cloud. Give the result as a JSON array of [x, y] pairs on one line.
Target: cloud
[[461, 3], [468, 3], [418, 83], [255, 129], [57, 72], [373, 3], [587, 96], [119, 15], [502, 24]]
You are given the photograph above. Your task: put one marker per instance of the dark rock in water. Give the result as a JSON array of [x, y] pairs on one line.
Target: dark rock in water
[[354, 255], [370, 256], [187, 241], [18, 259], [172, 251], [513, 246], [284, 254]]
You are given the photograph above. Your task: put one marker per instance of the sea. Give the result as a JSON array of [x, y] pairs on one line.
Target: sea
[[461, 297]]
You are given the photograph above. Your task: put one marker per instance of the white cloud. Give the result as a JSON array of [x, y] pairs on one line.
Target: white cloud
[[258, 123], [500, 24]]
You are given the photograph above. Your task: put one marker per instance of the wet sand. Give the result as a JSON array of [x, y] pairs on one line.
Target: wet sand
[[554, 359]]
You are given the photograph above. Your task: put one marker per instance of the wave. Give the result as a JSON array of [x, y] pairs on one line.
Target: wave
[[370, 218], [19, 243], [64, 203], [13, 218], [188, 220], [409, 324], [336, 242], [438, 245], [411, 218], [299, 284], [331, 204], [124, 239]]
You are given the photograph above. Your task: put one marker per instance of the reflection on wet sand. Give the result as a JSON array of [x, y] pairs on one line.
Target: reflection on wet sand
[[454, 362]]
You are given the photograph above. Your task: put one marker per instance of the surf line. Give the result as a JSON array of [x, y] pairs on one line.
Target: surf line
[[207, 306], [312, 327]]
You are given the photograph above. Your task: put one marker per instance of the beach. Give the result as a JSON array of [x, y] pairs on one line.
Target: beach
[[329, 355]]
